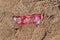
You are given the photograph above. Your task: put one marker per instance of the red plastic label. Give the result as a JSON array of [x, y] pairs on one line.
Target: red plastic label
[[31, 19]]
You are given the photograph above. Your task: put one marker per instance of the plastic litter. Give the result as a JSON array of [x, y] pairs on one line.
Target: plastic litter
[[28, 19]]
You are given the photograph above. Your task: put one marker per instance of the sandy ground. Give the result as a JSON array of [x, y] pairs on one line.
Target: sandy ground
[[48, 29]]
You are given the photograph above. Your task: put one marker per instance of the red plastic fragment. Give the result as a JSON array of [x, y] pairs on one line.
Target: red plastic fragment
[[31, 19]]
